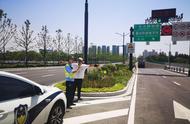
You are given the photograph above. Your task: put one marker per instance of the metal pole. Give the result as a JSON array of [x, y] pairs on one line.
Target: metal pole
[[123, 48], [169, 55], [131, 55], [189, 61], [86, 33]]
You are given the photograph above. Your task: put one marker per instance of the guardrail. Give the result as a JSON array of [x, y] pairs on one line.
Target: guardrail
[[182, 70]]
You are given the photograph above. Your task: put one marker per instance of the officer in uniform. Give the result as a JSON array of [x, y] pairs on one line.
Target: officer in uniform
[[69, 74]]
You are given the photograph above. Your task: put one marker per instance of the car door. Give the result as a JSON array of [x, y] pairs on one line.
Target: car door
[[16, 99]]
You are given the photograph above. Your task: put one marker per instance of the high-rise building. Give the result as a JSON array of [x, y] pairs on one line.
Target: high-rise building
[[108, 49], [92, 50], [115, 50], [104, 49], [99, 50], [125, 50]]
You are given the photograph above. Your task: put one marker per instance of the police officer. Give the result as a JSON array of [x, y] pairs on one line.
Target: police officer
[[69, 74]]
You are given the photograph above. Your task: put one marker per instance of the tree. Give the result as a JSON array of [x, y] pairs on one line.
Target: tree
[[58, 42], [44, 42], [69, 44], [25, 39], [7, 31]]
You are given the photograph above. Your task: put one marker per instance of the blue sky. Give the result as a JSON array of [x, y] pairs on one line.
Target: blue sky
[[106, 17]]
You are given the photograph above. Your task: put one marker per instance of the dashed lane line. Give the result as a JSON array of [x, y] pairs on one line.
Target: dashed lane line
[[164, 77], [176, 83], [48, 75], [20, 73], [96, 116]]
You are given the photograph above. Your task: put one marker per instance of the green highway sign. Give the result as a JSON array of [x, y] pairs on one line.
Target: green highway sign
[[147, 32]]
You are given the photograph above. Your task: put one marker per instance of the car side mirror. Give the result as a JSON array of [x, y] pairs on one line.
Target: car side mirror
[[37, 90]]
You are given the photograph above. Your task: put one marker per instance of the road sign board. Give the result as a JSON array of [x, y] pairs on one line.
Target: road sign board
[[130, 48], [164, 14], [166, 30], [181, 31], [146, 32]]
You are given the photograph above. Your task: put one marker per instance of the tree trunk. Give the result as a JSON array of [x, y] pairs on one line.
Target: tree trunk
[[26, 57], [4, 56]]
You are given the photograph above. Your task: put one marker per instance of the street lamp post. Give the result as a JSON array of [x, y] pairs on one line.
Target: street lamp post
[[86, 33], [169, 54], [123, 36]]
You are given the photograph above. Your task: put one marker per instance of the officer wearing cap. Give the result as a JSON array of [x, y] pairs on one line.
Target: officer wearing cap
[[79, 76]]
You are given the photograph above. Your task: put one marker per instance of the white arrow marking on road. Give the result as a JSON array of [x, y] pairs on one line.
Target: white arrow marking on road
[[181, 112]]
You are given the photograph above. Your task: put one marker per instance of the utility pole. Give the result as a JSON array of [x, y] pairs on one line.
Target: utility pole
[[123, 48], [123, 36], [131, 55], [86, 33]]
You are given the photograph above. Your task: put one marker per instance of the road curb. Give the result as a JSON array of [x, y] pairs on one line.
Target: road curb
[[107, 94]]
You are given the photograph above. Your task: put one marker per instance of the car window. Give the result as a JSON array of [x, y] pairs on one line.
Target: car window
[[11, 88]]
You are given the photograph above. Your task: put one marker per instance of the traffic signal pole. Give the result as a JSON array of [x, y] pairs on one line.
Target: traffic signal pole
[[131, 55]]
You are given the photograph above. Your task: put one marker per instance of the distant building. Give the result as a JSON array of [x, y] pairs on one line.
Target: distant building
[[108, 49], [147, 53], [99, 50], [125, 50], [115, 50], [92, 50], [104, 49]]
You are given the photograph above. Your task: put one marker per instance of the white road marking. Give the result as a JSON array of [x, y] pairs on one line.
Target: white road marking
[[180, 111], [51, 70], [96, 116], [131, 118], [164, 76], [101, 101], [20, 73], [176, 83], [48, 75]]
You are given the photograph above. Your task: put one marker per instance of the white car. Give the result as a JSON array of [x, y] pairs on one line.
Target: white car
[[23, 101]]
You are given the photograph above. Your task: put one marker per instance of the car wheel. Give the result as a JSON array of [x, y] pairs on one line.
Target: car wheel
[[56, 114]]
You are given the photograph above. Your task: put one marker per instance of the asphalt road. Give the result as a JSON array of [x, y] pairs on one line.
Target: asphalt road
[[162, 97], [42, 75], [158, 97]]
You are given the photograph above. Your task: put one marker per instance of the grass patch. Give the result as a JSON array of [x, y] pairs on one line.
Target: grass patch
[[116, 87]]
